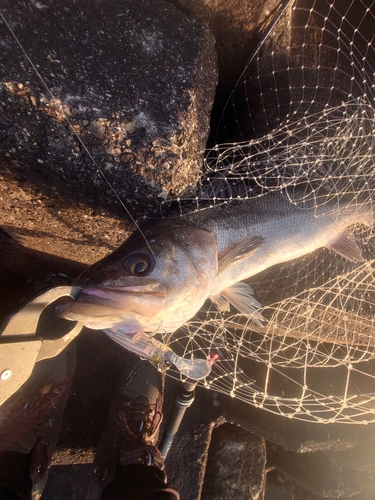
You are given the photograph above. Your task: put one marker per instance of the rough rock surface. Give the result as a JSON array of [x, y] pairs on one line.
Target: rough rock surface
[[129, 90], [237, 26], [236, 465]]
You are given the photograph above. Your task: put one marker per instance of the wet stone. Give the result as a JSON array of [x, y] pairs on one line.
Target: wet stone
[[292, 434], [301, 493], [236, 465], [316, 472], [362, 457], [278, 487]]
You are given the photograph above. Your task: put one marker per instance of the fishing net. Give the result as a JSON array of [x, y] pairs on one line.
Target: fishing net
[[300, 121]]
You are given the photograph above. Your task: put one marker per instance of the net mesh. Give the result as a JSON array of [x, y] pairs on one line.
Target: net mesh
[[299, 121]]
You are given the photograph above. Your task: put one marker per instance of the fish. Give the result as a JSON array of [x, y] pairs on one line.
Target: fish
[[168, 267]]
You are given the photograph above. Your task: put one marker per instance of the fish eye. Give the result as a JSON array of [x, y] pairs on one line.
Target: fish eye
[[138, 264]]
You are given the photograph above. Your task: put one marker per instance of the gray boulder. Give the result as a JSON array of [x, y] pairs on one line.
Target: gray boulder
[[128, 90]]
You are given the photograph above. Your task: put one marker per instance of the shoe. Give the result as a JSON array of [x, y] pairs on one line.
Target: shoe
[[132, 429], [30, 419]]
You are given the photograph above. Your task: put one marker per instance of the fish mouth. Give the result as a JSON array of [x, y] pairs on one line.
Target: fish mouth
[[118, 297], [110, 304]]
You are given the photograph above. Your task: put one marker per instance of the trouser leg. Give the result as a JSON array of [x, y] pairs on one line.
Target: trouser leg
[[15, 480]]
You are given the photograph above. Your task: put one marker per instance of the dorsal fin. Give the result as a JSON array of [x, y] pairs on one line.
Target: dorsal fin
[[240, 252]]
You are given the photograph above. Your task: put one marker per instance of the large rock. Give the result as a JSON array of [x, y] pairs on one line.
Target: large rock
[[238, 26], [236, 465], [128, 89]]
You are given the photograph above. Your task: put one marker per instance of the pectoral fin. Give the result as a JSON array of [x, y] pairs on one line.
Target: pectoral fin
[[346, 246], [241, 252], [220, 302], [240, 295]]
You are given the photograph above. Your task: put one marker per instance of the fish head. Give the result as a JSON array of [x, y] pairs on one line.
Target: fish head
[[155, 281]]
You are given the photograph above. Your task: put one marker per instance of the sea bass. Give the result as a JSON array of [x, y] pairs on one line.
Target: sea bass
[[165, 271]]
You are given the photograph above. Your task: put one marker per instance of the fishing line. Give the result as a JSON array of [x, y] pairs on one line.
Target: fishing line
[[98, 169]]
